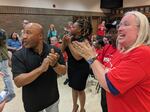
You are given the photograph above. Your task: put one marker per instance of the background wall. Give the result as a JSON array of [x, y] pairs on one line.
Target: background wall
[[78, 5], [133, 3], [13, 22], [43, 12]]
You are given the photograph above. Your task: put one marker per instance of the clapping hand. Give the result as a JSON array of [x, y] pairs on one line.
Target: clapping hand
[[67, 39], [50, 60], [53, 58], [84, 49]]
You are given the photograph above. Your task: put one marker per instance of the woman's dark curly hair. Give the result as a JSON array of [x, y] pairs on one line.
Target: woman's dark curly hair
[[86, 27]]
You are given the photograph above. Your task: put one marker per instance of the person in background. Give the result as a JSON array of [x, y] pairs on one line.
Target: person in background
[[105, 58], [68, 27], [54, 41], [67, 31], [35, 68], [8, 93], [106, 40], [52, 32], [127, 80], [24, 23], [101, 30], [78, 68], [13, 43], [98, 45]]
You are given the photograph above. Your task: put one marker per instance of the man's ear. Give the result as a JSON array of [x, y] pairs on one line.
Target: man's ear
[[41, 36]]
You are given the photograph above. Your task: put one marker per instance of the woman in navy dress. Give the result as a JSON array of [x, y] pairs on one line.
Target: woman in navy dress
[[78, 68]]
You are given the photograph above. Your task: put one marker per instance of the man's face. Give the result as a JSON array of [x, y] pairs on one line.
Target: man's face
[[31, 36], [25, 22], [53, 40]]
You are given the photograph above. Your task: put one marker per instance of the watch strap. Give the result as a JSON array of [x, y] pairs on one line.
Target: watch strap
[[91, 60]]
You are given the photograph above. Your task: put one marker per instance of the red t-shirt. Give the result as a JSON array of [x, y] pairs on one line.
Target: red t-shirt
[[130, 75], [106, 55], [101, 30], [57, 45], [98, 52], [65, 56]]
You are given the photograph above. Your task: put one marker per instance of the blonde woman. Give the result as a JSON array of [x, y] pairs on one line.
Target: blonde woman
[[127, 81]]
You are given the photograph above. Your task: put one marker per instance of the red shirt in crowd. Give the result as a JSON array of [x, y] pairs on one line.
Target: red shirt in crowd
[[105, 55], [101, 30]]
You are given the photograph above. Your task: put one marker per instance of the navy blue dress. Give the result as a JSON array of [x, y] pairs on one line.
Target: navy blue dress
[[78, 71]]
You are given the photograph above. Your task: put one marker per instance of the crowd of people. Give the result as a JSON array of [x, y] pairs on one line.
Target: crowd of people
[[115, 56]]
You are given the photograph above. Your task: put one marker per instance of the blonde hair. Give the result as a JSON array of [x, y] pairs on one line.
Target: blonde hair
[[144, 30]]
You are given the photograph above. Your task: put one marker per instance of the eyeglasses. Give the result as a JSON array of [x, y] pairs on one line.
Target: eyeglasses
[[126, 24]]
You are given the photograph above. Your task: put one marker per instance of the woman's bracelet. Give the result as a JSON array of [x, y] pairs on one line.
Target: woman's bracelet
[[91, 60]]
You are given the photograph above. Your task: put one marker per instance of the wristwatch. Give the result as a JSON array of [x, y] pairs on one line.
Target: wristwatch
[[91, 60]]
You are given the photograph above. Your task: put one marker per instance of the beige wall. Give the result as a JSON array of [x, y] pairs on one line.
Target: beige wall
[[132, 3], [78, 5]]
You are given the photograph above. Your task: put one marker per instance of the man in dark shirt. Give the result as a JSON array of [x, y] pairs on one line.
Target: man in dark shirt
[[35, 68]]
